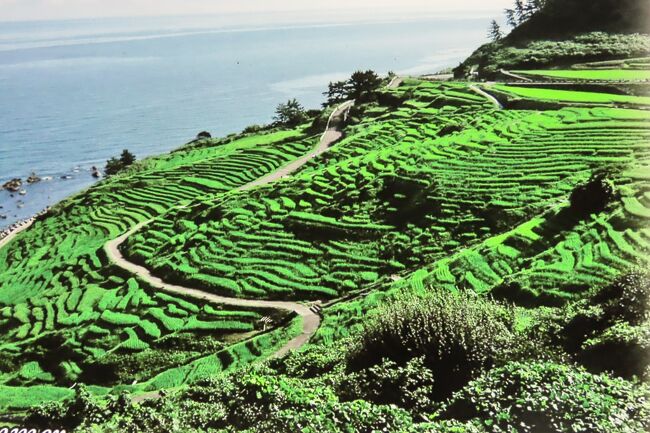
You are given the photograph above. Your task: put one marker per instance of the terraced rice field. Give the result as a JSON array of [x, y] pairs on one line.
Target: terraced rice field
[[591, 75], [572, 96], [67, 314], [638, 63], [442, 172], [431, 186]]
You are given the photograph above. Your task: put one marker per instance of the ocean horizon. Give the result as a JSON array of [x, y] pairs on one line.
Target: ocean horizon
[[76, 92]]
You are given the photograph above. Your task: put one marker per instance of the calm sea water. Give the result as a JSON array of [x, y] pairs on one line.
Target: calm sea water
[[74, 93]]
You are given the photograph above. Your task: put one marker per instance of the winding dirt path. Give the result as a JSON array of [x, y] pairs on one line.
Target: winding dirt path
[[331, 135], [474, 88], [395, 82], [514, 76], [310, 319]]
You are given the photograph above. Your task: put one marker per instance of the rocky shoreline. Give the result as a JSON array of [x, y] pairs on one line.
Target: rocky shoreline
[[20, 225]]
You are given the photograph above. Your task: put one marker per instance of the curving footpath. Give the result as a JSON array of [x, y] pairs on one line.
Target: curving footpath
[[514, 76], [331, 135], [310, 319], [485, 94]]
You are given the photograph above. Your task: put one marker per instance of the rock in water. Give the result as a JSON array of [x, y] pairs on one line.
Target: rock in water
[[13, 185], [33, 178]]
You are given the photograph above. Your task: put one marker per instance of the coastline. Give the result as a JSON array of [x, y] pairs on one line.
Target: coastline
[[14, 229]]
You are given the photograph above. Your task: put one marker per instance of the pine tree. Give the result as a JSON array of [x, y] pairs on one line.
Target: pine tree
[[113, 166], [520, 11], [127, 158], [337, 92], [511, 17], [495, 33], [290, 114], [363, 82]]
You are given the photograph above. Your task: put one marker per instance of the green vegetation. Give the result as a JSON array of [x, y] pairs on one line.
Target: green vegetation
[[115, 165], [550, 33], [476, 267], [597, 75], [70, 316], [591, 98], [290, 114], [361, 86], [432, 200], [491, 58]]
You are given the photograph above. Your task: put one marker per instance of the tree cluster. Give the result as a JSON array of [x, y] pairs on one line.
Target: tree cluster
[[360, 86], [290, 114], [115, 165], [523, 10]]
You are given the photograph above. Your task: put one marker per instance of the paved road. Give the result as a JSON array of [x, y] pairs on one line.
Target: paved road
[[311, 320]]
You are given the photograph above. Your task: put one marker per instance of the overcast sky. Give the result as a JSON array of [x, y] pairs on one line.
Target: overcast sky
[[12, 10]]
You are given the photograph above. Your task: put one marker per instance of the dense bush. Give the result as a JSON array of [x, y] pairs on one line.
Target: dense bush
[[592, 196], [551, 398], [255, 400], [410, 387], [612, 319], [457, 334], [314, 360]]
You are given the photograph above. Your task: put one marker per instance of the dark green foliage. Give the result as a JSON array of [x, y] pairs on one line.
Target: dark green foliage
[[592, 196], [290, 114], [255, 400], [127, 158], [68, 414], [115, 165], [612, 320], [552, 18], [337, 92], [494, 33], [361, 86], [559, 32], [551, 398], [585, 47], [313, 361], [457, 334], [412, 386]]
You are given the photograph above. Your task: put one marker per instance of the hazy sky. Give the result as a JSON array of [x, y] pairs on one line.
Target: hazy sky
[[11, 10]]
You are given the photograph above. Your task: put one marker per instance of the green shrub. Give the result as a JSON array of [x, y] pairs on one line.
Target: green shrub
[[551, 398], [314, 360], [410, 387], [457, 334]]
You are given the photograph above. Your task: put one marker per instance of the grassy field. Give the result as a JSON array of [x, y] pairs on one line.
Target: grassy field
[[69, 316], [594, 74], [571, 96], [431, 190]]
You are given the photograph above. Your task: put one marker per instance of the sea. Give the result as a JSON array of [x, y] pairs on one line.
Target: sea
[[74, 93]]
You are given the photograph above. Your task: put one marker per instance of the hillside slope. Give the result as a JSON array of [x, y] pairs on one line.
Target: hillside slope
[[564, 32], [476, 252]]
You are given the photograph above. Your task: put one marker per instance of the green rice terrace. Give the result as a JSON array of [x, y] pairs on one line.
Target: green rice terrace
[[474, 261]]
